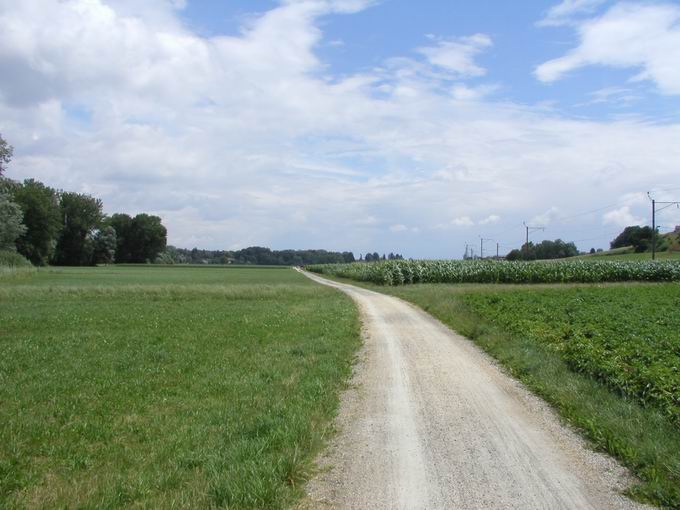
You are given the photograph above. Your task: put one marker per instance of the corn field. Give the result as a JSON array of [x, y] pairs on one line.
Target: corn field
[[401, 272]]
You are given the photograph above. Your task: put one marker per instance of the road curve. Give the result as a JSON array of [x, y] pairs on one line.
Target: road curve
[[431, 422]]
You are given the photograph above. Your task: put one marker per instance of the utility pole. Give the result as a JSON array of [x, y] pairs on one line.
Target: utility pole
[[529, 230], [666, 205], [497, 251], [653, 229], [481, 246]]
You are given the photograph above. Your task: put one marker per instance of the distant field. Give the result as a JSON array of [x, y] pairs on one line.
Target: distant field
[[163, 275], [167, 387], [624, 255], [607, 356]]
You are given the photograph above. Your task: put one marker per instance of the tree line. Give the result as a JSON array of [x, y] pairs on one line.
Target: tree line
[[371, 257], [635, 236], [265, 256], [544, 250], [254, 255], [49, 226]]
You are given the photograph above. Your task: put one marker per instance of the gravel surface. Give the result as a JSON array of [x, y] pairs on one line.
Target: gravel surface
[[430, 421]]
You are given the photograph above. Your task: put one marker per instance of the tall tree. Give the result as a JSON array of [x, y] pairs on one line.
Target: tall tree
[[149, 238], [640, 238], [5, 154], [42, 218], [81, 215], [11, 222], [104, 245], [122, 224]]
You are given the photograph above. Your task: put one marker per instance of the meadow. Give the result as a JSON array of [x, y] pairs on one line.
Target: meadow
[[606, 356], [627, 254], [167, 387]]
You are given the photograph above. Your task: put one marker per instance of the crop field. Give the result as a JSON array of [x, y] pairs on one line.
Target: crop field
[[401, 272], [627, 337], [167, 387], [606, 356]]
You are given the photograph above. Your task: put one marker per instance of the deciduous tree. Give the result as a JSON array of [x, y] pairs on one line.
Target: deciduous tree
[[5, 154], [81, 215], [42, 218], [640, 238], [149, 238], [11, 222], [104, 245]]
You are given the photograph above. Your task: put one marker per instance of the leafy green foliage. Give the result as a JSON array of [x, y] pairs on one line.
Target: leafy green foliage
[[253, 255], [544, 250], [640, 238], [399, 272], [167, 387], [139, 239], [104, 246], [5, 154], [81, 215], [10, 258], [148, 236], [13, 265], [42, 218], [629, 338], [11, 222]]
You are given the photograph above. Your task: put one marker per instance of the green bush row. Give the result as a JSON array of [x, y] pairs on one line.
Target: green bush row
[[13, 259]]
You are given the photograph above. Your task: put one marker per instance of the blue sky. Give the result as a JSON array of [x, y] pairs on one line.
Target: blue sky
[[389, 125]]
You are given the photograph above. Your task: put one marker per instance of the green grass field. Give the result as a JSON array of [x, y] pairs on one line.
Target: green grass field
[[606, 356], [167, 387], [627, 254]]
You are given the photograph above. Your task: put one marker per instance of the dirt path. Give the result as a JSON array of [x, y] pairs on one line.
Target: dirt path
[[431, 422]]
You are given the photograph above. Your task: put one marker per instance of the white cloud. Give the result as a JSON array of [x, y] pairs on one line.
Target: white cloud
[[248, 139], [639, 36], [458, 55], [615, 95], [398, 228], [564, 12], [463, 221], [493, 218], [622, 217], [545, 218]]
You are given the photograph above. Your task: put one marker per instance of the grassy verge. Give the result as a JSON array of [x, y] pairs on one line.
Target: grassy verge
[[590, 351], [627, 254], [14, 266], [167, 388]]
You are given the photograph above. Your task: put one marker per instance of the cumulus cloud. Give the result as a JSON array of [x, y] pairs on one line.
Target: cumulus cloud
[[492, 218], [463, 221], [457, 56], [248, 138], [622, 217], [645, 37]]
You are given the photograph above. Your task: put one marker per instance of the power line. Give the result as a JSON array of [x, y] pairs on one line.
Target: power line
[[577, 215], [666, 205], [530, 230], [481, 246]]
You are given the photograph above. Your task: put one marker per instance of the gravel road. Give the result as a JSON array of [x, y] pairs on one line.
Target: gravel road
[[430, 421]]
